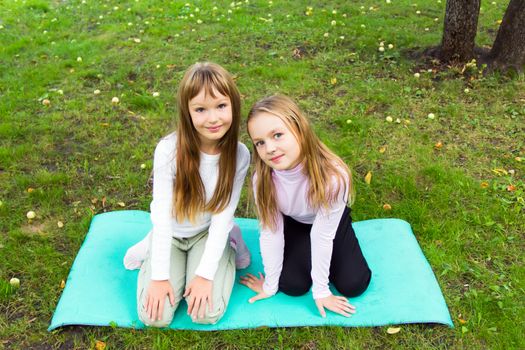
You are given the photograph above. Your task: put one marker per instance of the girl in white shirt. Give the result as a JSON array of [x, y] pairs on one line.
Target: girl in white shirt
[[198, 174], [301, 191]]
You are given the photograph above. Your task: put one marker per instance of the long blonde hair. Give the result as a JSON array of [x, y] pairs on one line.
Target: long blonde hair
[[188, 190], [320, 164]]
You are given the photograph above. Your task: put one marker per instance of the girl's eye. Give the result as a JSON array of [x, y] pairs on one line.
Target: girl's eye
[[222, 105], [259, 143], [277, 135], [199, 110]]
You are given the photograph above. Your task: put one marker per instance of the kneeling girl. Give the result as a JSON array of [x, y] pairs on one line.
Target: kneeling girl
[[198, 173], [301, 190]]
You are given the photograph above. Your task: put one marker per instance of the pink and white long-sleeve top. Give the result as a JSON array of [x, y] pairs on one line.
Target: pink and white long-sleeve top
[[165, 226], [291, 189]]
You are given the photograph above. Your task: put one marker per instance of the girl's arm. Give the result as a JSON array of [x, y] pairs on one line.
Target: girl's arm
[[322, 236], [161, 208], [272, 251], [222, 223]]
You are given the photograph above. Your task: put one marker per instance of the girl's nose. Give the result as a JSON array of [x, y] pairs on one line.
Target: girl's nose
[[270, 147], [213, 117]]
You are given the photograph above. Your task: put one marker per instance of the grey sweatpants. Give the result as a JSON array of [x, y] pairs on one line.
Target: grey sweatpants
[[186, 254]]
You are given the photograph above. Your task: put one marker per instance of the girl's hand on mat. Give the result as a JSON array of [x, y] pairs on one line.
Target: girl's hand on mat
[[337, 304], [199, 293], [155, 299], [255, 284]]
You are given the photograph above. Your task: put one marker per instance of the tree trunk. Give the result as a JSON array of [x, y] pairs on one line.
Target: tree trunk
[[459, 32], [508, 50]]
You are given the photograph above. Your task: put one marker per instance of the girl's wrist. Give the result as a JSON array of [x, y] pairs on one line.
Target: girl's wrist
[[322, 296], [202, 278]]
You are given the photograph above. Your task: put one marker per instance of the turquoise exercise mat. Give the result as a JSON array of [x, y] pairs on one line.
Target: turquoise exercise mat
[[403, 289]]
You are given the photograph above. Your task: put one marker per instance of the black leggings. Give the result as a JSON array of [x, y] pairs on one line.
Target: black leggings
[[349, 272]]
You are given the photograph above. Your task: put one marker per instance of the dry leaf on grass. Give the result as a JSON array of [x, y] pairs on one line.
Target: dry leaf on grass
[[368, 177], [393, 330]]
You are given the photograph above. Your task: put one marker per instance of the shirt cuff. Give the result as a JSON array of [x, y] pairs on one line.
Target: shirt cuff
[[208, 273], [160, 275], [322, 294], [268, 291]]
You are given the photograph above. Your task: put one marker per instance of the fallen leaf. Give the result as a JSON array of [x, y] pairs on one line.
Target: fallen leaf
[[60, 224], [30, 189], [122, 204], [94, 200], [484, 184], [62, 284], [438, 145], [387, 206], [368, 177], [104, 201], [393, 330], [100, 345], [511, 188], [499, 171], [462, 321], [382, 149], [297, 54]]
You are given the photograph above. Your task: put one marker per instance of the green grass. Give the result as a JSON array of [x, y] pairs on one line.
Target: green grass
[[82, 155]]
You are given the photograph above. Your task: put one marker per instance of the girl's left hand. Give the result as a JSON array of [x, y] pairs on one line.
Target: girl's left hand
[[255, 284], [199, 293], [337, 304]]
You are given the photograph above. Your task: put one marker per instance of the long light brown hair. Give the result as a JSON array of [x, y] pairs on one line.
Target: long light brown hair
[[189, 195], [320, 164]]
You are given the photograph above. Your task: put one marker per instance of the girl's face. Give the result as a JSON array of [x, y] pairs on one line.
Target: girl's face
[[211, 117], [274, 141]]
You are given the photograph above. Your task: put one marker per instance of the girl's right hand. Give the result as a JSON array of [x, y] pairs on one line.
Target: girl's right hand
[[157, 292], [255, 284]]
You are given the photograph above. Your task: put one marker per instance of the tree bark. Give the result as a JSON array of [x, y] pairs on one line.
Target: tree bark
[[508, 50], [459, 32]]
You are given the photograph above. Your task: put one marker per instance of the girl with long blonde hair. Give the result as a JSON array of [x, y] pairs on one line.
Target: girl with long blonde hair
[[198, 174], [301, 190]]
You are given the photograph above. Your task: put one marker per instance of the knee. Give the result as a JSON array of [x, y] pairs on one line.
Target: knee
[[157, 324], [212, 317], [352, 286], [295, 288], [164, 322], [165, 319]]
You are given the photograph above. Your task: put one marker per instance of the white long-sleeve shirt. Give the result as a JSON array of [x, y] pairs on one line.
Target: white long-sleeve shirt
[[165, 226], [291, 189]]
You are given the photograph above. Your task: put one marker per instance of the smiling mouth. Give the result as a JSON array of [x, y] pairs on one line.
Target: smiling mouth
[[275, 159], [214, 128]]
